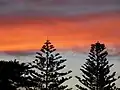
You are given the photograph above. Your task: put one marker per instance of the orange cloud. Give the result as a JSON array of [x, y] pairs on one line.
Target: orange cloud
[[30, 34]]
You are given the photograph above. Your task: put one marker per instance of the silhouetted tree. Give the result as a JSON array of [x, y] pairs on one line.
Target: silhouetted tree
[[96, 71], [48, 65], [14, 75]]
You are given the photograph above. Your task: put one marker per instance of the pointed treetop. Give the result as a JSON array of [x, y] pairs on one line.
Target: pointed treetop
[[98, 42], [98, 47], [47, 42]]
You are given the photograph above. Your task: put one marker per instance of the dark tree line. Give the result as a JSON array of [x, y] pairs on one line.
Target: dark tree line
[[14, 75], [46, 71]]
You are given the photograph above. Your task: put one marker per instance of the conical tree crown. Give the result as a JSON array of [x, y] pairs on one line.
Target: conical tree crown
[[49, 65], [96, 70]]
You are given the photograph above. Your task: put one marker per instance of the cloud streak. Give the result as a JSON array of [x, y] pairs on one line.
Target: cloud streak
[[30, 34], [56, 7], [69, 24]]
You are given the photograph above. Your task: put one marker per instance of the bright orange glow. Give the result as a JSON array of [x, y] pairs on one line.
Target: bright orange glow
[[30, 34]]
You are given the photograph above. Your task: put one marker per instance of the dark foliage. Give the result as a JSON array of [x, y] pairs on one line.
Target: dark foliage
[[96, 71], [14, 75], [48, 65]]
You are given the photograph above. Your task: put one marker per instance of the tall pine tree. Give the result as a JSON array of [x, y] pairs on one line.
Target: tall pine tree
[[96, 71], [49, 64]]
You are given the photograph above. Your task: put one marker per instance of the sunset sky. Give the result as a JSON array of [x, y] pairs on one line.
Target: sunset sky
[[71, 25]]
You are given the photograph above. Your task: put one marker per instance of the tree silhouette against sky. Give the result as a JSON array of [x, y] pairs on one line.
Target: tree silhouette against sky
[[96, 70], [49, 66], [46, 72], [14, 75]]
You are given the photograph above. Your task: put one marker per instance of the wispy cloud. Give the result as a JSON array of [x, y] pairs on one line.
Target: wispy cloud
[[26, 34], [56, 7], [20, 53], [91, 21]]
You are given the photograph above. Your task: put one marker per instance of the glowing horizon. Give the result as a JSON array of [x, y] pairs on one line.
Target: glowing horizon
[[30, 34]]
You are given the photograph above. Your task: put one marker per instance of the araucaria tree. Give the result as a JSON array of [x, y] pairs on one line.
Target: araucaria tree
[[49, 64], [96, 71]]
